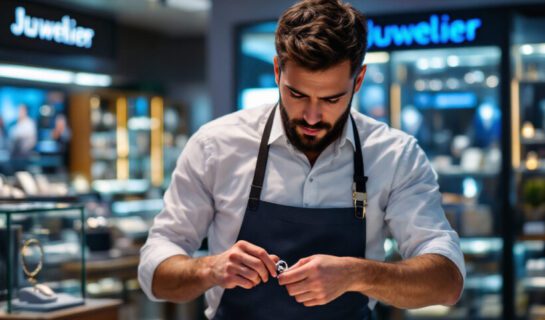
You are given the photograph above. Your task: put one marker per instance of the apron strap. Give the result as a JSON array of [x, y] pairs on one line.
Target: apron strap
[[359, 192], [261, 166]]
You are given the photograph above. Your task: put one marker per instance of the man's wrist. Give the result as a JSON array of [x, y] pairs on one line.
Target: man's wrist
[[361, 274], [205, 271]]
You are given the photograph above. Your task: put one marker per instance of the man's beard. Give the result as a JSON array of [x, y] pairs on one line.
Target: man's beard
[[306, 143]]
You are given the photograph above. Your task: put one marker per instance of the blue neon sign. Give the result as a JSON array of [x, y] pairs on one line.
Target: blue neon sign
[[436, 30]]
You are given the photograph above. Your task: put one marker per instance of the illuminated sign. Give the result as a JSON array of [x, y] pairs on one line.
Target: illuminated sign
[[66, 31], [435, 31]]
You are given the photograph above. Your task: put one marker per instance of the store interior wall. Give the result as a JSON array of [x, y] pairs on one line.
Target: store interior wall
[[151, 57], [224, 18], [172, 66]]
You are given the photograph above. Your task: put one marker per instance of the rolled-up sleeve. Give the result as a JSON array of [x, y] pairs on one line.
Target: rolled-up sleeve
[[414, 213], [188, 209]]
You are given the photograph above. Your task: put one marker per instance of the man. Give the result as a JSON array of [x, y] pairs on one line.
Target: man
[[308, 181], [61, 133], [23, 134]]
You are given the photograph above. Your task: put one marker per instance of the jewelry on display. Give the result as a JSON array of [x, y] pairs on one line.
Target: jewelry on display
[[31, 274], [281, 266], [25, 250]]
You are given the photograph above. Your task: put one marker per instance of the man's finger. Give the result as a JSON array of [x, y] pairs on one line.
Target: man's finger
[[301, 262], [249, 274], [256, 265], [293, 275], [313, 303], [242, 282], [260, 253], [298, 288], [305, 297]]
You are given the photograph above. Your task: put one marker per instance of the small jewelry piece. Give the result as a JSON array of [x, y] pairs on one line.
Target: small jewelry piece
[[25, 250], [281, 266], [43, 289]]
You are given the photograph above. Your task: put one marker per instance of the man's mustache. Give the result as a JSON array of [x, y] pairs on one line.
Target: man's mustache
[[316, 126]]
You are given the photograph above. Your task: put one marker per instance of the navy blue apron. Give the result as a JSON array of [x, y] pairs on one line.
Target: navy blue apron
[[293, 233]]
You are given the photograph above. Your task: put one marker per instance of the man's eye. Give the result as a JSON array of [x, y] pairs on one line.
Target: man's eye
[[333, 101], [296, 96]]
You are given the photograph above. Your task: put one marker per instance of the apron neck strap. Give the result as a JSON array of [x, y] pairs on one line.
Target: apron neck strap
[[359, 190], [262, 157]]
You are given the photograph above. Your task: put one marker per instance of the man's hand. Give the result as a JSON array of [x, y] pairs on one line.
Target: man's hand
[[244, 265], [317, 280]]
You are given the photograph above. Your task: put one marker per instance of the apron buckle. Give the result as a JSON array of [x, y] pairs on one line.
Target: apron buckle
[[360, 204]]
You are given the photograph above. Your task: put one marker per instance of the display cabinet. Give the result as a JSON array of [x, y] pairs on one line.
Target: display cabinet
[[175, 136], [104, 142], [42, 250], [528, 161], [449, 100], [120, 136]]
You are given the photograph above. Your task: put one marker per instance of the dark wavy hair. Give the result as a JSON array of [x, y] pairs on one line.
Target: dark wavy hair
[[319, 34]]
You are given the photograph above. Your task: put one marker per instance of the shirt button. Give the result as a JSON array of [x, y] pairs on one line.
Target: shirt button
[[311, 179], [306, 204]]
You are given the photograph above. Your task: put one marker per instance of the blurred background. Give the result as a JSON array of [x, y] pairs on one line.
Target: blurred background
[[99, 97]]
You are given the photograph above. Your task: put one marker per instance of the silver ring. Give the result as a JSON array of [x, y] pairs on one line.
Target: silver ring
[[281, 266]]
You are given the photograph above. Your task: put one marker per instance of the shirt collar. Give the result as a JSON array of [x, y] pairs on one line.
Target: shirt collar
[[277, 131], [348, 133]]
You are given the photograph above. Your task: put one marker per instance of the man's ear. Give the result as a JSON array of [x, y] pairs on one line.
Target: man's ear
[[360, 77], [276, 70]]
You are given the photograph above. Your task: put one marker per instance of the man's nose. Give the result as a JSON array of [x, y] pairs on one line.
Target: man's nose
[[313, 113]]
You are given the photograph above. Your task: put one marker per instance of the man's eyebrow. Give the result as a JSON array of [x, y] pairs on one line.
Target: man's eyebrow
[[334, 96]]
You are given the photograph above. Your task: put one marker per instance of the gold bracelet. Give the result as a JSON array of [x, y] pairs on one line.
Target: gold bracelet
[[32, 274]]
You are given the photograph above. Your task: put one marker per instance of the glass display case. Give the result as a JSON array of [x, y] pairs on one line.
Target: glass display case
[[175, 137], [528, 161], [103, 137], [134, 218], [139, 127], [449, 100], [42, 250]]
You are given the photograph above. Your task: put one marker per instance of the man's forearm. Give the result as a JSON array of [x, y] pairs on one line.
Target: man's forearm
[[181, 278], [417, 282]]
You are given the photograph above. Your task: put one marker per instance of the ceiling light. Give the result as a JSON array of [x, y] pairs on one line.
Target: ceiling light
[[437, 63], [453, 61], [422, 64], [35, 74], [54, 76], [93, 80], [189, 5], [527, 49], [376, 57]]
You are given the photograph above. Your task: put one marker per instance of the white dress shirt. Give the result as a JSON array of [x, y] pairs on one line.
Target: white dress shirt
[[211, 183], [24, 135]]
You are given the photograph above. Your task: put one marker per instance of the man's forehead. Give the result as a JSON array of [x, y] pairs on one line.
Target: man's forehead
[[330, 81], [343, 67]]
